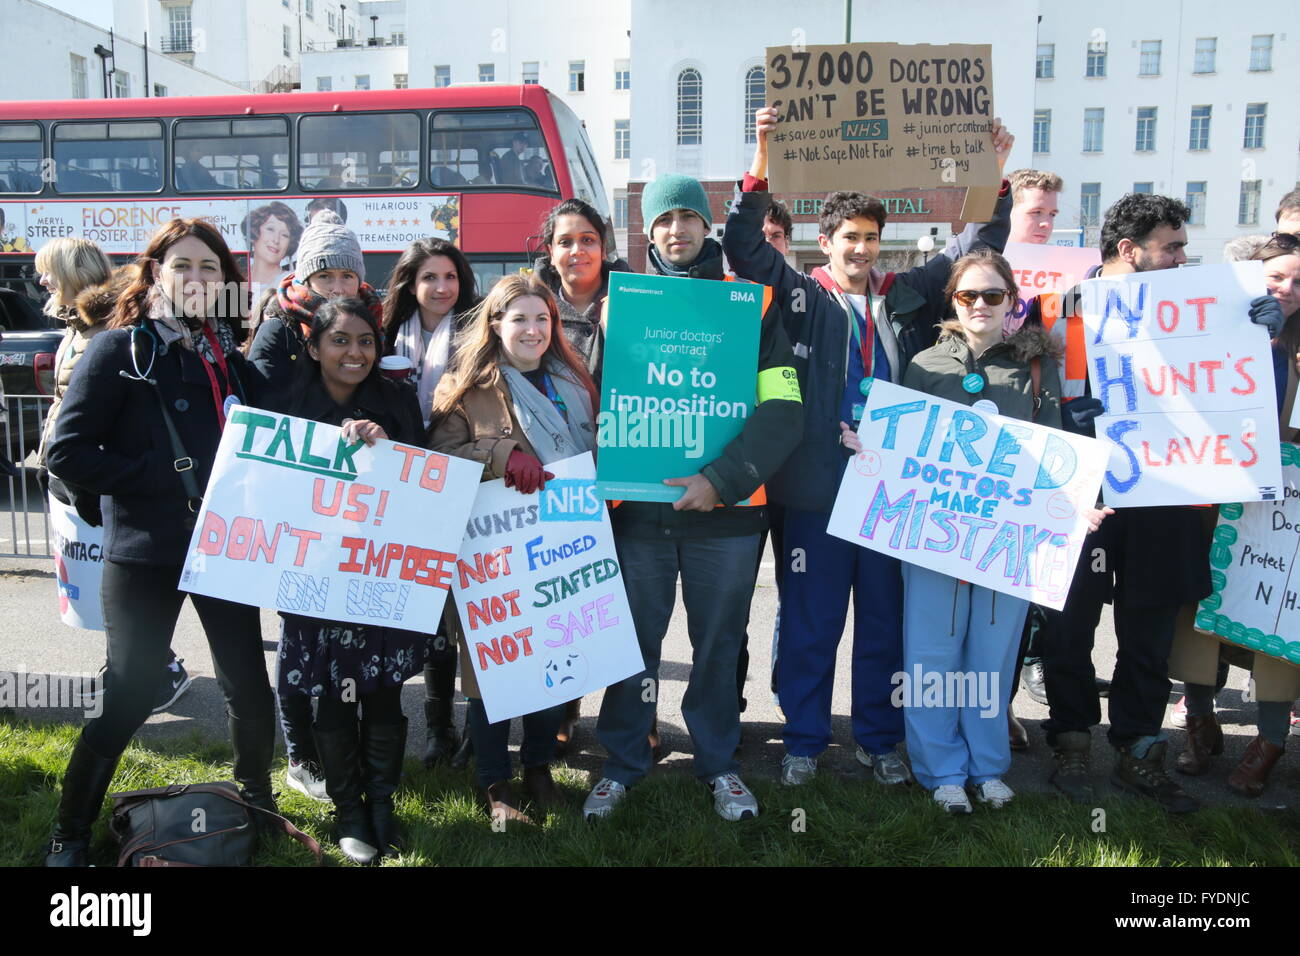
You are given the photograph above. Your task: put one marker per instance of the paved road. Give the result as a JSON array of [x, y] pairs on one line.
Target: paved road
[[35, 641]]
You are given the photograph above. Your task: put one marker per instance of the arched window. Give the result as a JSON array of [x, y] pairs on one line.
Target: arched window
[[690, 108], [755, 97]]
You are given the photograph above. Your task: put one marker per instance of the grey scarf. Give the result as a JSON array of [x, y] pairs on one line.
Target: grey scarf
[[550, 435], [188, 330]]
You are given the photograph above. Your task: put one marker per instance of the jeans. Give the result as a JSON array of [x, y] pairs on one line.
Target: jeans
[[717, 577], [141, 604], [492, 741]]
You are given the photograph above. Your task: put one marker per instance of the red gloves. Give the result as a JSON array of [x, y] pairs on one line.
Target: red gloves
[[524, 472]]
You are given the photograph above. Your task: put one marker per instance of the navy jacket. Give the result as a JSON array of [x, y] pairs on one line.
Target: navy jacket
[[110, 439], [816, 322]]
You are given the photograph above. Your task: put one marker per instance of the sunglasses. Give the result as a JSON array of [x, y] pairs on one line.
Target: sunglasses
[[967, 297]]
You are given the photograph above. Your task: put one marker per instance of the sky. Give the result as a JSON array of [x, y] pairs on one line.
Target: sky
[[98, 12]]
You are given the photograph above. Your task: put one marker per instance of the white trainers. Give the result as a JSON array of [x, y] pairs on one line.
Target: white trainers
[[732, 799], [887, 768], [995, 793], [602, 799], [796, 771], [952, 798], [307, 778]]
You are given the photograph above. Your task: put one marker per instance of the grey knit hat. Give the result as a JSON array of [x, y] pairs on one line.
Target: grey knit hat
[[328, 244]]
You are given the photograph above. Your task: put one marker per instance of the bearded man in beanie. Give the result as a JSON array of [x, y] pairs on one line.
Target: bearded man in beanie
[[707, 537]]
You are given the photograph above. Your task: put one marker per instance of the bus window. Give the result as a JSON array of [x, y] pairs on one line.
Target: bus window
[[583, 170], [224, 155], [112, 157], [488, 148], [359, 151], [21, 151]]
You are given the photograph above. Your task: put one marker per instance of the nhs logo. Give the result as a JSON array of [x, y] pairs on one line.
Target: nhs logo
[[570, 499]]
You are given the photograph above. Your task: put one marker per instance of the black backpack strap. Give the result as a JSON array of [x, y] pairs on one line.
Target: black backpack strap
[[182, 462]]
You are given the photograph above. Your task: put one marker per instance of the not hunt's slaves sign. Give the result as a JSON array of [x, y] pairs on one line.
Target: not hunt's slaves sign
[[680, 379], [884, 116], [540, 594], [1187, 382], [297, 519], [991, 500], [1256, 599]]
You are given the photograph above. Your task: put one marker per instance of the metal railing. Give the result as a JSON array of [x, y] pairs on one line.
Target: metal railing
[[24, 512]]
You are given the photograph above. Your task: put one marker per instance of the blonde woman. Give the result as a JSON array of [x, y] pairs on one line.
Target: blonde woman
[[518, 398]]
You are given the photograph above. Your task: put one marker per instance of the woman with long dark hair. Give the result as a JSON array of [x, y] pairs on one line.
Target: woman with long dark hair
[[350, 666], [430, 293], [518, 398], [140, 425]]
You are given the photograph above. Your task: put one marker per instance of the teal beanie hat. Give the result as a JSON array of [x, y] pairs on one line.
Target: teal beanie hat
[[673, 191]]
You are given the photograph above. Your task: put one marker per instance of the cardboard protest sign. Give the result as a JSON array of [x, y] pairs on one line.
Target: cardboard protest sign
[[295, 518], [1187, 381], [1256, 598], [78, 566], [679, 380], [991, 500], [875, 116], [1047, 272], [540, 594]]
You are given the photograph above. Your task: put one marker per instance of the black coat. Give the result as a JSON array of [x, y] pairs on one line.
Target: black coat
[[110, 439], [391, 405]]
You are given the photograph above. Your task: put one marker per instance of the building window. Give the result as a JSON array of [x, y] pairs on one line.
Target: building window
[[324, 84], [620, 208], [288, 41], [1256, 114], [178, 38], [398, 37], [1094, 123], [690, 108], [121, 84], [1261, 53], [1199, 138], [1045, 65], [1096, 58], [159, 90], [1090, 204], [622, 139], [309, 8], [1149, 61], [1196, 203], [1146, 129], [577, 76], [362, 82], [442, 75], [487, 72], [530, 72], [1205, 50], [1144, 189], [755, 98], [1042, 131], [400, 81], [329, 20], [622, 74], [80, 87], [1248, 206]]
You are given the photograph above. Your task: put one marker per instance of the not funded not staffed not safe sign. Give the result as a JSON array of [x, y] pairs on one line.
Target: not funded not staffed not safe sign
[[876, 116]]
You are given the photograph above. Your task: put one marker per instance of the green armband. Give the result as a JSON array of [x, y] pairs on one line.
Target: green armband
[[780, 383]]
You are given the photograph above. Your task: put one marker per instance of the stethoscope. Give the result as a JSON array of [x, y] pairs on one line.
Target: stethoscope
[[140, 376]]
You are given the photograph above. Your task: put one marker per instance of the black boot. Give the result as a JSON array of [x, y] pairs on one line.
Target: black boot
[[84, 784], [382, 748], [464, 753], [440, 739], [253, 739], [340, 758]]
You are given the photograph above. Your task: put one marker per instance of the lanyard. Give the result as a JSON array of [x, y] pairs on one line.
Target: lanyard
[[548, 388], [866, 343], [218, 399]]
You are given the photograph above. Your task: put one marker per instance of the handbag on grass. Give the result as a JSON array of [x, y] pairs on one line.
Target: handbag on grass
[[196, 824]]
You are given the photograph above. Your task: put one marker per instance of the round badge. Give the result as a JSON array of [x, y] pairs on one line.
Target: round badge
[[231, 402], [864, 386], [973, 383], [986, 406], [181, 405]]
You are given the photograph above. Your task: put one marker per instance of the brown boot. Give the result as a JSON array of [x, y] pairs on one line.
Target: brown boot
[[1016, 732], [1204, 740], [541, 788], [502, 804], [657, 752], [568, 727], [1251, 775]]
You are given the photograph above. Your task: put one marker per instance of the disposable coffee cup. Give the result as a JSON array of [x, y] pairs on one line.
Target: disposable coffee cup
[[396, 367]]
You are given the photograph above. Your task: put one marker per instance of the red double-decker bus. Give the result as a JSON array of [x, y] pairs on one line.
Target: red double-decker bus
[[479, 165]]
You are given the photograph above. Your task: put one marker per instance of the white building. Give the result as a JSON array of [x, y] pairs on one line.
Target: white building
[[51, 55]]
